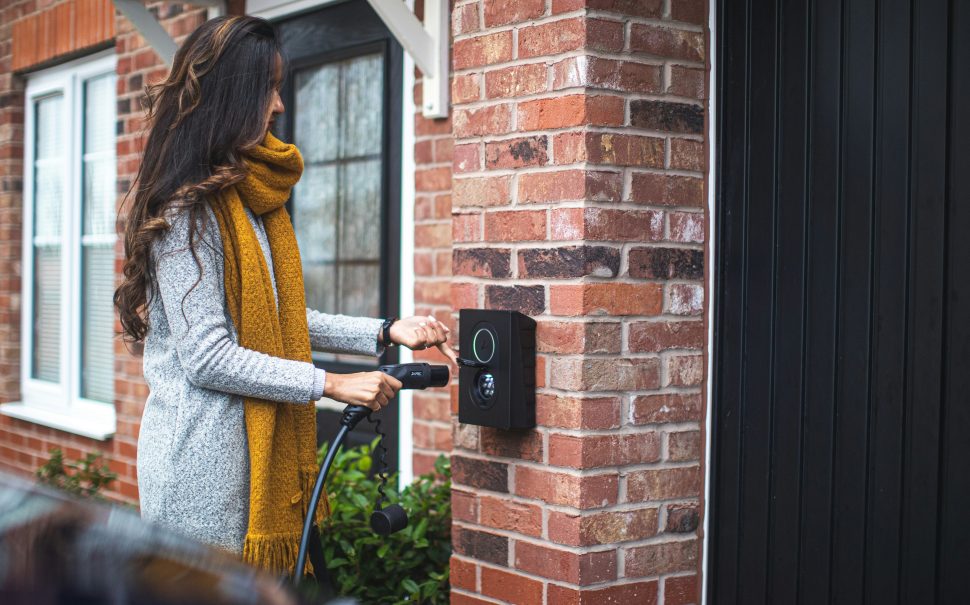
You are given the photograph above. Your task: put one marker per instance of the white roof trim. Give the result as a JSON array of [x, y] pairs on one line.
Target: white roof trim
[[427, 42]]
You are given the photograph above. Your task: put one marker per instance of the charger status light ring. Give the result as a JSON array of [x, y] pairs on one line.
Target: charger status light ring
[[488, 346]]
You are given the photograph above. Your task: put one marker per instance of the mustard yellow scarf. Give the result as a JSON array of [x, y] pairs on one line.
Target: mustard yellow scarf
[[281, 436]]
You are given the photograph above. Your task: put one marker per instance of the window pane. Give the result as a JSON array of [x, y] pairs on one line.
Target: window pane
[[48, 187], [48, 167], [322, 295], [47, 313], [360, 211], [49, 143], [99, 155], [357, 288], [99, 114], [363, 92], [314, 211], [317, 92], [97, 241], [315, 205], [97, 348], [99, 196]]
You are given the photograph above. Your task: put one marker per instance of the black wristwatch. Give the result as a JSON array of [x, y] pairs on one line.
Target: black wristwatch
[[386, 331]]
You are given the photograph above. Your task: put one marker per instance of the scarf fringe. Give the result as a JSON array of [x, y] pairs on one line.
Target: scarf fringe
[[278, 552], [275, 553]]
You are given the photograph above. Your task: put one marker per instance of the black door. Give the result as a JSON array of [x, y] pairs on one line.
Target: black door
[[841, 403], [343, 110]]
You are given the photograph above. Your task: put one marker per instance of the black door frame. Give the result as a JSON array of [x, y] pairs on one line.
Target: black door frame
[[330, 33]]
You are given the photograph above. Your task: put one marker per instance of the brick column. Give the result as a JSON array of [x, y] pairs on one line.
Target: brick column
[[578, 198]]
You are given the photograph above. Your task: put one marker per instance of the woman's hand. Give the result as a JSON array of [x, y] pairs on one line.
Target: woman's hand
[[421, 332], [369, 389]]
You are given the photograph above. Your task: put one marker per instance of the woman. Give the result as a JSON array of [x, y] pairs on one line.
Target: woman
[[214, 289]]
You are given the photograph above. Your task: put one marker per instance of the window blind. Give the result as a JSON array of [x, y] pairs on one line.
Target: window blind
[[48, 173], [98, 239]]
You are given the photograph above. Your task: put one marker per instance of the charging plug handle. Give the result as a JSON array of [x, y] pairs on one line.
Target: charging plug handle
[[418, 375]]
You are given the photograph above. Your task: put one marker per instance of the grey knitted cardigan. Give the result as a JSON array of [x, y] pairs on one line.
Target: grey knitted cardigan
[[193, 457]]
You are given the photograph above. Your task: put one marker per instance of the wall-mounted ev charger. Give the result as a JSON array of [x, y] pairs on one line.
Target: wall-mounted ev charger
[[497, 378]]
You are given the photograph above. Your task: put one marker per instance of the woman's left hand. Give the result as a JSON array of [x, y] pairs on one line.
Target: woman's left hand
[[421, 332]]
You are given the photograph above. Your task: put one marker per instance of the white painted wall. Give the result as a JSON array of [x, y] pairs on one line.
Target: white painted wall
[[711, 235], [405, 399]]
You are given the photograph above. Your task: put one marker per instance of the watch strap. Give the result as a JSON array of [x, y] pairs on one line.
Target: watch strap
[[386, 331]]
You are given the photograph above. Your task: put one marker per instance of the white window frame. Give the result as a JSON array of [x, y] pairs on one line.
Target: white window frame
[[60, 405]]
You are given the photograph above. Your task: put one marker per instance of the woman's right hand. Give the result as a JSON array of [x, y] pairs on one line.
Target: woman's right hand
[[369, 389]]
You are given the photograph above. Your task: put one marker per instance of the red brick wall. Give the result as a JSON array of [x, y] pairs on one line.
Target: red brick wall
[[11, 193], [24, 446], [578, 198]]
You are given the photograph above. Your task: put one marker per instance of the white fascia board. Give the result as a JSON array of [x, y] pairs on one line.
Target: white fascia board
[[426, 43], [408, 30]]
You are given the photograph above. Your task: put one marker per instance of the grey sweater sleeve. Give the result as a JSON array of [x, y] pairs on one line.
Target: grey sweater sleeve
[[194, 306], [343, 333]]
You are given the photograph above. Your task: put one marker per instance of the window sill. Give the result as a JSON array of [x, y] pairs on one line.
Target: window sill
[[100, 428]]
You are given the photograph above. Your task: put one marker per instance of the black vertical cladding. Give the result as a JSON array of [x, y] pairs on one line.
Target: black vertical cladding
[[729, 319], [791, 184], [849, 460], [842, 310], [759, 317], [954, 486]]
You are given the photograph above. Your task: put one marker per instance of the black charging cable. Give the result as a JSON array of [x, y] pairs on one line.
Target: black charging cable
[[384, 520]]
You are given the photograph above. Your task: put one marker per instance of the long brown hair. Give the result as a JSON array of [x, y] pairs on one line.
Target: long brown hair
[[209, 109]]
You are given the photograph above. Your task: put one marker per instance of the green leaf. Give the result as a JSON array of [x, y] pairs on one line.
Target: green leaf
[[410, 585], [422, 527]]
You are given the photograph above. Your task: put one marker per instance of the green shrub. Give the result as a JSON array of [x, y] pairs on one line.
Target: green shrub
[[82, 478], [410, 566]]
